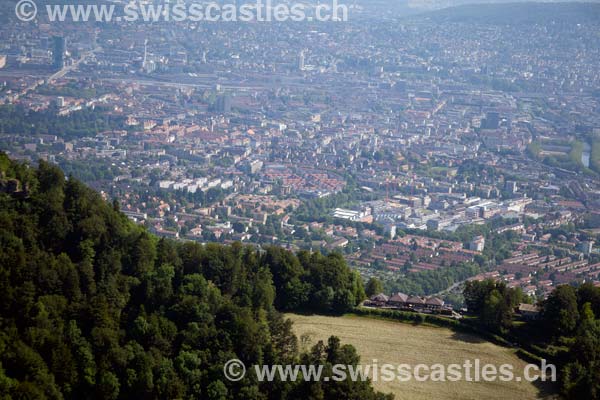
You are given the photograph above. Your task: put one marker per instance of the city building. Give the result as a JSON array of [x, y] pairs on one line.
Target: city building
[[586, 247], [223, 104], [301, 61], [477, 243], [58, 51]]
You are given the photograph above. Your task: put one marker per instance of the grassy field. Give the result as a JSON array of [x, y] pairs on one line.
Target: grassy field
[[398, 343]]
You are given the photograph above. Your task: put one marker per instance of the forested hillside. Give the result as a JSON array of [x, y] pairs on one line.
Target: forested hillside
[[567, 332], [94, 307]]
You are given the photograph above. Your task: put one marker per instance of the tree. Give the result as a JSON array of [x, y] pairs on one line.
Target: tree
[[498, 309], [581, 376], [108, 387], [374, 286], [216, 391], [588, 293], [475, 293], [560, 313], [493, 302]]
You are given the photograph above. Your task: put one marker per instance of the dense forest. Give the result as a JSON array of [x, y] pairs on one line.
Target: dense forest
[[567, 333], [94, 307]]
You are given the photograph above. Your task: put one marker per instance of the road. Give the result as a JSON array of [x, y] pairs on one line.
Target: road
[[450, 289]]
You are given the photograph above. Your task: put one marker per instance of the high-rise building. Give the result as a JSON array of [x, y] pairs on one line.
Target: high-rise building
[[58, 51], [586, 247], [253, 167], [302, 61], [2, 61], [148, 65], [145, 60], [510, 187], [390, 230], [477, 243], [224, 103]]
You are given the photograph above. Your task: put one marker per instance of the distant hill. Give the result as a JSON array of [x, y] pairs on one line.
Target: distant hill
[[520, 13]]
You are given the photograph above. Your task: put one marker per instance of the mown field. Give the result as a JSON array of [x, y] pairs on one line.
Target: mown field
[[399, 343]]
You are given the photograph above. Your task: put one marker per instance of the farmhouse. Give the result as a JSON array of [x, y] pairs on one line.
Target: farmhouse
[[529, 311], [415, 302], [379, 300], [398, 300], [405, 302]]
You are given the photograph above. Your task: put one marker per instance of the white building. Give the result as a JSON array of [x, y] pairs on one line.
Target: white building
[[477, 243]]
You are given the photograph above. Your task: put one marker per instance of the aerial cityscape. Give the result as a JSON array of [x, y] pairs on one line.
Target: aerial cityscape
[[435, 148]]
